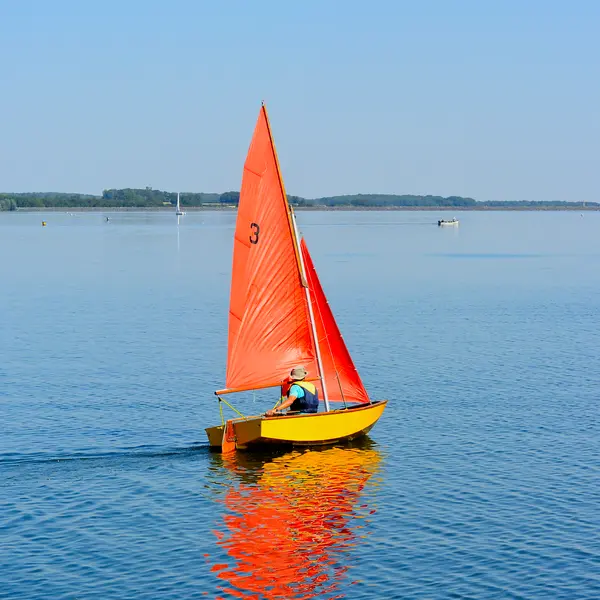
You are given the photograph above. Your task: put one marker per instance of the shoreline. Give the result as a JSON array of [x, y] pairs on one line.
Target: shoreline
[[323, 208]]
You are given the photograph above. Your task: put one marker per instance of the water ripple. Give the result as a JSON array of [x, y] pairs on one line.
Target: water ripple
[[480, 481]]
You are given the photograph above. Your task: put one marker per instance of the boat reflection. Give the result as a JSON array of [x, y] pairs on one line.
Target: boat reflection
[[291, 520]]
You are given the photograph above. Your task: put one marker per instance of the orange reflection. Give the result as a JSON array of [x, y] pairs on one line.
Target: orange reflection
[[291, 520]]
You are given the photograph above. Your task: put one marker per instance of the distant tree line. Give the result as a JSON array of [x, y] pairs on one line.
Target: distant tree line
[[389, 200], [7, 203], [45, 200], [148, 198]]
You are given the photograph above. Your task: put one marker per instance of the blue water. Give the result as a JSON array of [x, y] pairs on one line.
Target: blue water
[[482, 480]]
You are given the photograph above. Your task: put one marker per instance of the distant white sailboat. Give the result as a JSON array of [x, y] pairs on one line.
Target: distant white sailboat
[[178, 210]]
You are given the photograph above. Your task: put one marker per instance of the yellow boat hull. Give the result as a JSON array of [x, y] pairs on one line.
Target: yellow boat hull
[[299, 430]]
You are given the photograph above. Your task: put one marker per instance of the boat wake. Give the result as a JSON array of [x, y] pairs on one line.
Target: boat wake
[[9, 458]]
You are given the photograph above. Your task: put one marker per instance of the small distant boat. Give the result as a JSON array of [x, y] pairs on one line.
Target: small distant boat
[[178, 210], [279, 317], [444, 223]]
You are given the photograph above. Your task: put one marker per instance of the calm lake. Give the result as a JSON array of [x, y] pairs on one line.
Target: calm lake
[[482, 479]]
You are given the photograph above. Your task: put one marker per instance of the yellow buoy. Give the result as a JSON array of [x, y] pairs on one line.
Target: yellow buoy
[[43, 223]]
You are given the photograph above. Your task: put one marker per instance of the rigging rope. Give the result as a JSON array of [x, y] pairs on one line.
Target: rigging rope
[[233, 408]]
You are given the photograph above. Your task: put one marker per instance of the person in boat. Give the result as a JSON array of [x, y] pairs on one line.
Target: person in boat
[[302, 396]]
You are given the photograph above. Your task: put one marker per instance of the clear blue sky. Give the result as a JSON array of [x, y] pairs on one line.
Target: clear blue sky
[[497, 100]]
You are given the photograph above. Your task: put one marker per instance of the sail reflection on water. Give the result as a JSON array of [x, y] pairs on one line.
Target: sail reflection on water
[[291, 521]]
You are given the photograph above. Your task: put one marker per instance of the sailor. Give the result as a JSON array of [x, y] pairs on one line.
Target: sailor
[[302, 396]]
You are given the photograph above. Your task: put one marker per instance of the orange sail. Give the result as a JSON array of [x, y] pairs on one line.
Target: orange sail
[[341, 377], [269, 323]]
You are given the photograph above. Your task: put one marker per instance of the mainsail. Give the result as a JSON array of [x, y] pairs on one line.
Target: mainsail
[[269, 322], [341, 377]]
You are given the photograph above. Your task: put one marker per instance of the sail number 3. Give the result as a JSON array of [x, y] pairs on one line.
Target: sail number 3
[[255, 233]]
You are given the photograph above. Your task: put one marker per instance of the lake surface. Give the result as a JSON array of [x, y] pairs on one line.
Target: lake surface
[[482, 479]]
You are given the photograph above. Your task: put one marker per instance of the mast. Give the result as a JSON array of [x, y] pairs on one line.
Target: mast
[[302, 272], [293, 231]]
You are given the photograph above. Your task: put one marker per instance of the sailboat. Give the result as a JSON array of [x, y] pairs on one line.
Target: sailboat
[[279, 318], [178, 210]]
